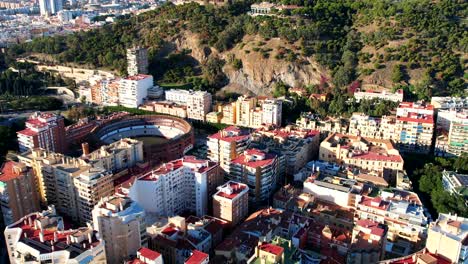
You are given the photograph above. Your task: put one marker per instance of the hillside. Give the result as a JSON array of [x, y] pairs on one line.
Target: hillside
[[419, 45]]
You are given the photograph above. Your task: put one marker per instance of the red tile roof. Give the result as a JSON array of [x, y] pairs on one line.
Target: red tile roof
[[169, 231], [270, 248], [8, 171], [197, 257], [235, 188], [148, 253], [376, 156], [27, 132], [244, 159]]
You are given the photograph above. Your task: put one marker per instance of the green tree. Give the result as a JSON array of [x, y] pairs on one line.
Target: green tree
[[397, 73]]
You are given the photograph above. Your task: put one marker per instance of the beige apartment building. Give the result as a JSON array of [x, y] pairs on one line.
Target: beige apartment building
[[448, 237], [165, 107], [71, 184], [120, 155], [18, 192], [365, 153], [121, 223], [229, 114], [245, 106], [227, 145], [231, 202]]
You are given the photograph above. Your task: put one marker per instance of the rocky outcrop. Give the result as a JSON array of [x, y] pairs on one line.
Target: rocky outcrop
[[260, 76], [259, 73]]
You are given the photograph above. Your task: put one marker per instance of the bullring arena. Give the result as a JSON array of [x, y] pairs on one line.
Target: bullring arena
[[164, 138]]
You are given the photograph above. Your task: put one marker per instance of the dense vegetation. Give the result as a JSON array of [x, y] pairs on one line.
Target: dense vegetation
[[8, 139], [353, 39], [429, 179], [21, 88]]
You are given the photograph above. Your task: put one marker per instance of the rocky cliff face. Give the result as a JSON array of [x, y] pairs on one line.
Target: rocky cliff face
[[259, 72]]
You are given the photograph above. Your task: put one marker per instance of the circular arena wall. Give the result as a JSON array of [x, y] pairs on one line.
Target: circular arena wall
[[177, 132]]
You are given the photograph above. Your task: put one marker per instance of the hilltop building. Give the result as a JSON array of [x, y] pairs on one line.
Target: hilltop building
[[397, 96], [137, 61]]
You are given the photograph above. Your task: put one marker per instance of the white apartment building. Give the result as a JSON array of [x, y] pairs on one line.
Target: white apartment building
[[415, 127], [198, 102], [121, 223], [397, 96], [137, 61], [452, 132], [272, 110], [455, 182], [134, 89], [227, 145], [449, 102], [122, 154], [178, 186], [50, 7], [42, 238], [366, 126], [343, 192]]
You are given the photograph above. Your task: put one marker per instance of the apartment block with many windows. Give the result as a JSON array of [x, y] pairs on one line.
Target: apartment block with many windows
[[226, 145], [177, 186], [43, 130], [133, 89], [231, 202], [18, 191], [259, 170], [121, 224], [415, 127]]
